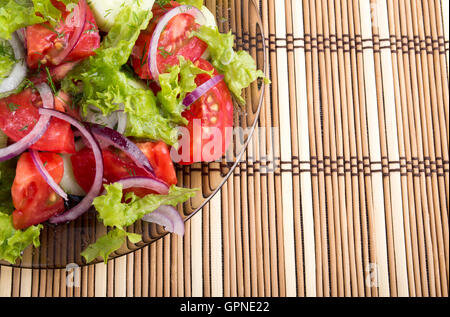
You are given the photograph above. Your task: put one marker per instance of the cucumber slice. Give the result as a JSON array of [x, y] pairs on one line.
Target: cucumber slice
[[209, 17], [210, 21], [105, 11], [68, 183]]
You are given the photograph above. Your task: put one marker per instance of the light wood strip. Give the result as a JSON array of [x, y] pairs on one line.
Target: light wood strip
[[196, 255], [393, 187], [101, 277], [304, 156], [232, 238], [6, 276], [206, 232], [272, 149], [216, 247], [26, 276], [286, 154], [277, 207], [120, 277], [445, 18], [375, 155]]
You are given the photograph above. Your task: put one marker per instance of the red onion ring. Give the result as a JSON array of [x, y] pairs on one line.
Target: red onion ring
[[86, 203], [201, 90], [153, 49], [108, 137], [46, 175], [79, 27], [168, 217], [144, 182], [48, 102], [38, 131]]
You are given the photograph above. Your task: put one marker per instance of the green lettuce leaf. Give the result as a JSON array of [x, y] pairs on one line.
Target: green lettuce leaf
[[116, 214], [16, 14], [102, 82], [239, 68], [13, 242], [175, 86], [7, 59], [195, 3], [107, 244]]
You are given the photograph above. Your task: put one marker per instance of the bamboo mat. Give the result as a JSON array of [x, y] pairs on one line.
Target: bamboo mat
[[358, 202]]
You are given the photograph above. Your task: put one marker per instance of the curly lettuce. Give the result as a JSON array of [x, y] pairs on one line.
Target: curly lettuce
[[239, 68], [13, 242], [118, 215], [16, 14]]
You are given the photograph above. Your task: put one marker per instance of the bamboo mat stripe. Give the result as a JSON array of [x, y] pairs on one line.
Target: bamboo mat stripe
[[344, 188]]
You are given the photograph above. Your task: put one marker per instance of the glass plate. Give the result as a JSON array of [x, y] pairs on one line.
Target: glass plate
[[62, 245]]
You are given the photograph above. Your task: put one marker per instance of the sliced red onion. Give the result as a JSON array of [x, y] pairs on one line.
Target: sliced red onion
[[48, 100], [153, 50], [201, 90], [110, 137], [46, 175], [168, 217], [19, 71], [86, 203], [38, 131], [145, 182], [79, 23]]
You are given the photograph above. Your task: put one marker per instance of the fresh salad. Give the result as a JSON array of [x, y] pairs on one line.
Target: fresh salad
[[98, 100]]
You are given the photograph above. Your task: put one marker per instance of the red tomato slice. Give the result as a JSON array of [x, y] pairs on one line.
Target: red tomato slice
[[18, 116], [210, 122], [44, 42], [158, 153], [118, 166], [34, 200], [115, 168], [174, 41]]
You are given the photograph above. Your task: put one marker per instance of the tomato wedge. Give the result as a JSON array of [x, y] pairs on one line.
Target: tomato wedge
[[158, 153], [44, 42], [34, 200], [212, 117], [174, 41], [118, 166], [18, 116]]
